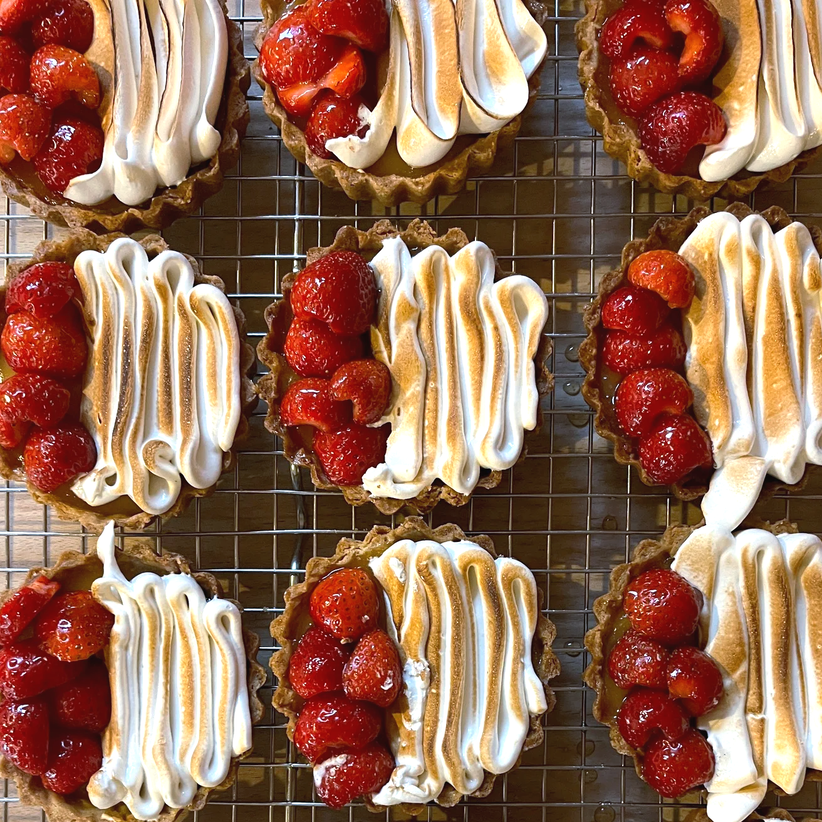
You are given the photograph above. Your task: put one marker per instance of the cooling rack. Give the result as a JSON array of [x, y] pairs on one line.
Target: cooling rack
[[555, 208]]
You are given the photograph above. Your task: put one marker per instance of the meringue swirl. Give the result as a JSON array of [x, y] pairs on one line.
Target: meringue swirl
[[460, 348], [162, 386], [179, 697]]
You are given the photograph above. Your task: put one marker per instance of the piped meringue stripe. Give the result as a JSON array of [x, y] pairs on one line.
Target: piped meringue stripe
[[180, 709], [763, 595], [464, 625], [162, 388], [460, 348]]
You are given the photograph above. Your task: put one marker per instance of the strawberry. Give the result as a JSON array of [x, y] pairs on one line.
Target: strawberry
[[634, 310], [672, 127], [298, 98], [345, 455], [65, 23], [316, 666], [14, 66], [24, 734], [55, 456], [672, 768], [701, 24], [20, 609], [331, 721], [24, 126], [74, 147], [338, 289], [84, 703], [694, 678], [74, 757], [625, 353], [333, 116], [645, 712], [637, 20], [13, 13], [345, 603], [59, 74], [645, 395], [42, 289], [663, 606], [309, 402], [642, 77], [26, 670], [666, 273], [363, 22], [26, 399], [674, 448], [374, 673], [367, 383], [341, 778], [74, 626], [636, 660], [314, 350]]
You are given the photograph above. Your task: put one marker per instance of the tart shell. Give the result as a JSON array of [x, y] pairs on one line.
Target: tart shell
[[287, 628], [71, 508], [73, 569], [271, 387]]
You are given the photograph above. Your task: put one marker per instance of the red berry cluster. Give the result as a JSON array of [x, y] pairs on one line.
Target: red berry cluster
[[46, 116], [44, 342], [652, 74], [338, 726], [340, 394], [313, 57], [56, 696], [644, 344], [669, 681]]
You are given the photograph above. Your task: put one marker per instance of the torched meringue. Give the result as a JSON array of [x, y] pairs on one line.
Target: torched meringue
[[754, 335], [162, 386], [179, 697], [762, 601], [464, 625], [454, 67], [162, 66], [460, 348]]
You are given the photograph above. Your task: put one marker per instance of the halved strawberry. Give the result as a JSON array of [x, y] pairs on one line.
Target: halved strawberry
[[59, 74], [24, 127], [637, 20], [331, 117], [367, 383], [20, 609], [642, 77], [362, 22], [701, 24], [74, 626]]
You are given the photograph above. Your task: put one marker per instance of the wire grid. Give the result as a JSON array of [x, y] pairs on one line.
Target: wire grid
[[555, 208]]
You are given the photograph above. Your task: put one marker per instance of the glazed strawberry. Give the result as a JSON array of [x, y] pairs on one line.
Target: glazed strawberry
[[347, 454], [675, 447], [642, 77], [55, 456], [20, 609], [333, 116], [27, 399], [363, 22], [316, 666], [310, 402], [636, 20], [701, 24], [14, 66], [666, 273], [74, 147], [345, 603], [645, 395], [42, 289], [636, 660], [74, 757], [24, 126], [13, 13], [374, 673], [672, 768], [338, 289], [625, 353], [367, 383], [65, 23], [341, 778], [24, 734], [74, 626], [645, 712], [672, 127], [634, 310], [314, 350], [85, 703], [662, 605], [695, 679], [26, 670], [332, 721], [59, 74]]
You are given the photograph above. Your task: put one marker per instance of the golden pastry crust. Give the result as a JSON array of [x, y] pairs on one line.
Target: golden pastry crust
[[446, 177], [619, 135], [168, 204], [273, 385], [69, 507], [76, 569], [291, 624], [781, 814]]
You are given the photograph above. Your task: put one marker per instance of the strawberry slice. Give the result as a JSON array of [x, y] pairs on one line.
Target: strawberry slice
[[20, 609], [26, 670], [341, 778], [24, 734], [362, 22], [74, 626], [374, 673]]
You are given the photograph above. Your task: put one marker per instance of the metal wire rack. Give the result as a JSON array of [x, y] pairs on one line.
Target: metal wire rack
[[556, 208]]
